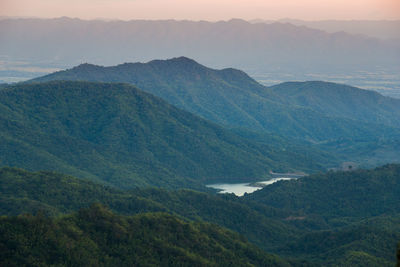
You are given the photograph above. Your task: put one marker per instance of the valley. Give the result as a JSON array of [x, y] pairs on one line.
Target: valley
[[136, 154], [152, 142]]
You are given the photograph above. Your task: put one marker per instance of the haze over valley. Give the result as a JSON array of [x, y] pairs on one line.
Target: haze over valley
[[188, 133], [270, 52]]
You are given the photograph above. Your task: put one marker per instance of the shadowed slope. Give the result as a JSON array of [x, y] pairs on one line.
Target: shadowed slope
[[122, 136]]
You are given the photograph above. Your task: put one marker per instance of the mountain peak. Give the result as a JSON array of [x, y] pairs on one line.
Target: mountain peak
[[176, 60], [183, 59], [238, 21], [84, 66]]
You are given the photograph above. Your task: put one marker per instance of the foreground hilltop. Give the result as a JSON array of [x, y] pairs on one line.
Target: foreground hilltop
[[323, 220], [97, 237]]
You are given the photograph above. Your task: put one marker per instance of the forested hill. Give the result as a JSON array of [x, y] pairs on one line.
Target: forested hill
[[229, 97], [122, 136], [361, 240], [54, 194], [97, 237], [361, 193], [341, 100], [363, 207]]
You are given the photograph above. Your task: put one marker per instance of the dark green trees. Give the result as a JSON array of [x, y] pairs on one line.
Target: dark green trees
[[97, 237]]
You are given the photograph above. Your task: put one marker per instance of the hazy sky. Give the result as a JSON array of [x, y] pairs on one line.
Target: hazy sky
[[204, 9]]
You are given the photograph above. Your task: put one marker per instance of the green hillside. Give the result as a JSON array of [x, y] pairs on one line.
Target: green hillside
[[341, 100], [371, 242], [354, 239], [121, 136], [54, 194], [361, 209], [97, 237], [230, 97], [361, 193]]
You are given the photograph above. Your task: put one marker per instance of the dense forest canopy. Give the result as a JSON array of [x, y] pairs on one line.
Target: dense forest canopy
[[313, 236], [97, 237], [122, 136], [347, 122]]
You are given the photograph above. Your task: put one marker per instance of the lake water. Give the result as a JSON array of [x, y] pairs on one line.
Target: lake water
[[241, 188]]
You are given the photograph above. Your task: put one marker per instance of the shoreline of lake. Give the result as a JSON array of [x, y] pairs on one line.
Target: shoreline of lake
[[239, 189]]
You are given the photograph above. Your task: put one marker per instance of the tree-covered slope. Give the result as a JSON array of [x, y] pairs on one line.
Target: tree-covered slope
[[361, 193], [227, 96], [54, 194], [120, 135], [341, 100], [361, 209], [355, 241], [371, 242], [97, 237]]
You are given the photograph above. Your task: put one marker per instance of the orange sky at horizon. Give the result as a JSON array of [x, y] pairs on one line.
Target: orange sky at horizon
[[205, 9]]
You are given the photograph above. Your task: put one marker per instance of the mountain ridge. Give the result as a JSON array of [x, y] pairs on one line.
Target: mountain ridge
[[259, 47], [231, 98], [342, 100], [120, 135]]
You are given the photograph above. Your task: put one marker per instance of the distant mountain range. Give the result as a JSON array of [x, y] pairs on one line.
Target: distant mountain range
[[236, 43], [383, 29]]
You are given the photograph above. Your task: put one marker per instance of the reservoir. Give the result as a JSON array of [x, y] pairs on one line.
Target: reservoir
[[241, 188]]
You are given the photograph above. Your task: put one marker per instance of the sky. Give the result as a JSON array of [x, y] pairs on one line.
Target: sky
[[211, 10]]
